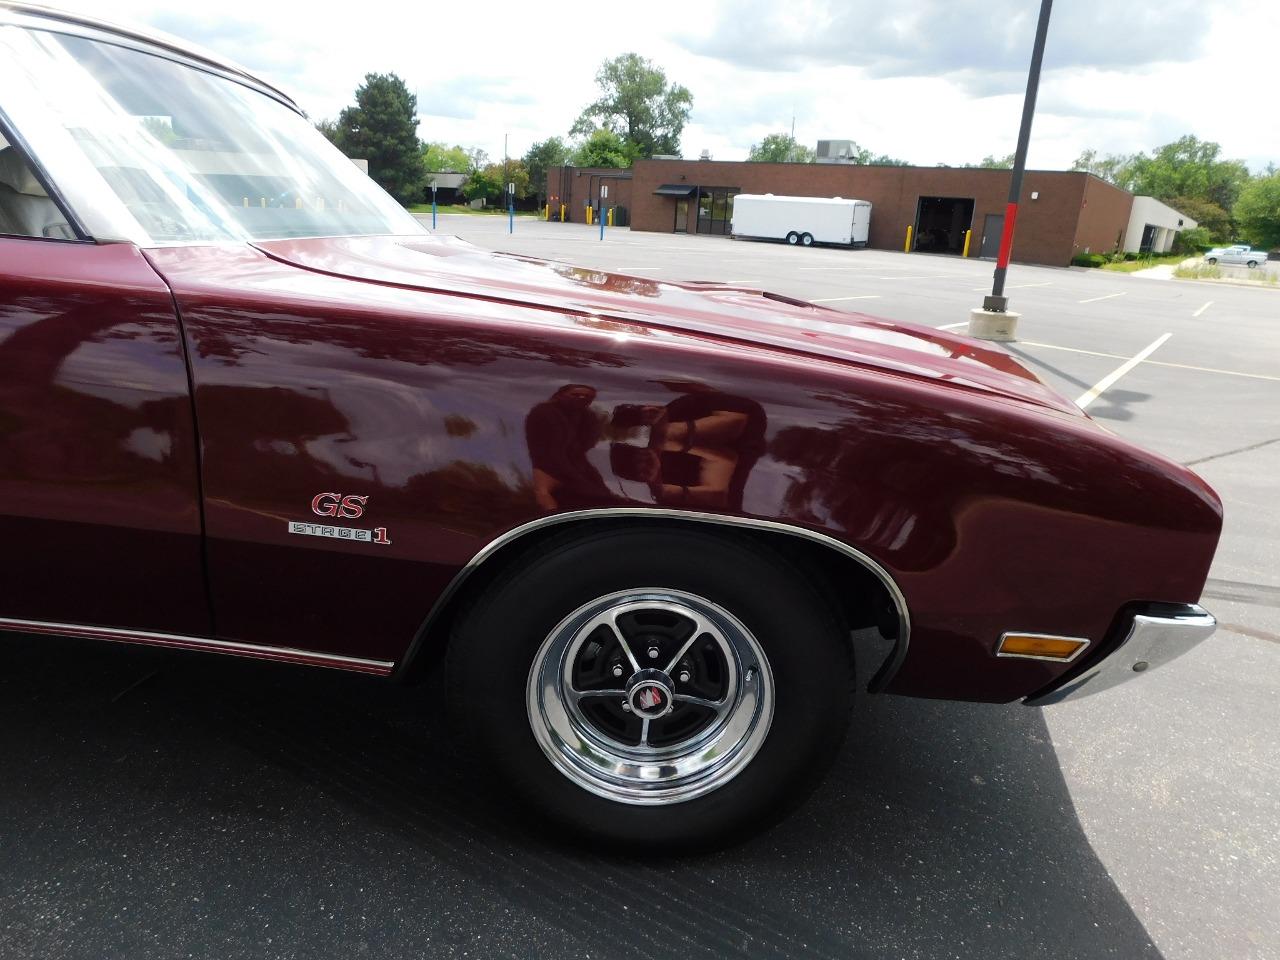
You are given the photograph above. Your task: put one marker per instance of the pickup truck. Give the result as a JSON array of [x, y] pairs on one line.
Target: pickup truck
[[1236, 254]]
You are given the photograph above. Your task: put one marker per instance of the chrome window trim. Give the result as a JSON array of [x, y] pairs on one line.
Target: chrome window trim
[[16, 140], [187, 642], [1083, 641], [878, 681], [38, 17]]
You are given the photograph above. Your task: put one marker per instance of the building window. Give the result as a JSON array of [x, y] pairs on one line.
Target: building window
[[715, 209]]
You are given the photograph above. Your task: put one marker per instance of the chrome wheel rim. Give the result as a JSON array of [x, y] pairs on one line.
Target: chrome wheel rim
[[650, 696]]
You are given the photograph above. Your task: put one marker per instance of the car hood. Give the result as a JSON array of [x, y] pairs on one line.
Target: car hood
[[453, 267]]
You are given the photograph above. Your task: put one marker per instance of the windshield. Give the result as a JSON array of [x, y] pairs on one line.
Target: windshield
[[190, 156]]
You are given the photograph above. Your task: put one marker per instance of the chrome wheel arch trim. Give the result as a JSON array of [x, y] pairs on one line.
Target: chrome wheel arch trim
[[878, 681]]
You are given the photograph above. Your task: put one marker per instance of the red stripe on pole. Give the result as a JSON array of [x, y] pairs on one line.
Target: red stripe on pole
[[1006, 238]]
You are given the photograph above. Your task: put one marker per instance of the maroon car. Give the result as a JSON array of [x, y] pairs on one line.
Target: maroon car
[[661, 533]]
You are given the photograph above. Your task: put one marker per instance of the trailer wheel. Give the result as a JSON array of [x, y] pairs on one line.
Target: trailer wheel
[[793, 238], [806, 239]]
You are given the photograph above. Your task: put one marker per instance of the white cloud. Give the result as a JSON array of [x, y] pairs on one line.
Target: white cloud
[[939, 81]]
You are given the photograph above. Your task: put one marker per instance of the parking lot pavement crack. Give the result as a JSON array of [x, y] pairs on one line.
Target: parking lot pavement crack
[[1256, 594], [1232, 453], [1250, 632]]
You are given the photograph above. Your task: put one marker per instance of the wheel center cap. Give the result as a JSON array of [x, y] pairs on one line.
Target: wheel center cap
[[650, 694]]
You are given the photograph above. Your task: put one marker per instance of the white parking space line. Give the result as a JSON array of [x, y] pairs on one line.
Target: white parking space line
[[1151, 363], [1227, 373], [636, 268], [1054, 346], [932, 276], [1109, 296], [1110, 379], [1203, 309], [952, 326], [834, 268], [865, 296]]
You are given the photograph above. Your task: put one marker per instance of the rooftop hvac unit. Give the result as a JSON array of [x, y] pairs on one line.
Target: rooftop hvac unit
[[836, 151]]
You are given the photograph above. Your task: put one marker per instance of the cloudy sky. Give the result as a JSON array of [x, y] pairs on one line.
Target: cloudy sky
[[930, 81]]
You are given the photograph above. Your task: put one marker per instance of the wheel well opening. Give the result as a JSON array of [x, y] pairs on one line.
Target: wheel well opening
[[859, 598]]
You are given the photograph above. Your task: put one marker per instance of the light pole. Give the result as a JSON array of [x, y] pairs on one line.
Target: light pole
[[995, 321], [507, 185]]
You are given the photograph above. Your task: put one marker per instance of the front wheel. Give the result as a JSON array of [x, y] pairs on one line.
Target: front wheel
[[667, 688], [793, 238], [1212, 261], [1252, 264]]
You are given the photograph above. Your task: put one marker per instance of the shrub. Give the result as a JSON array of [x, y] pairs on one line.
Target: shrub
[[1195, 240], [1089, 259]]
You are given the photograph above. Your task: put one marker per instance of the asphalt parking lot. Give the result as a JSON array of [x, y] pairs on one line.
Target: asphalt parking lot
[[158, 804]]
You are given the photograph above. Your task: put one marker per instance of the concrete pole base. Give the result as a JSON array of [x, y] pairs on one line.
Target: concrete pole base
[[987, 325]]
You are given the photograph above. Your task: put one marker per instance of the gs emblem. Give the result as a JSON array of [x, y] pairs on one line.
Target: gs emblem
[[347, 507]]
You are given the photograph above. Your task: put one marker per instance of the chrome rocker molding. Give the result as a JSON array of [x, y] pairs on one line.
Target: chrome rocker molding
[[1164, 633], [878, 682], [379, 668]]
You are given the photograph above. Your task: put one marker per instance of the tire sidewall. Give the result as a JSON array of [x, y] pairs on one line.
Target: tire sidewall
[[807, 655]]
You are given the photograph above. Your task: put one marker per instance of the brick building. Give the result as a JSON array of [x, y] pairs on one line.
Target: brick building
[[1062, 213]]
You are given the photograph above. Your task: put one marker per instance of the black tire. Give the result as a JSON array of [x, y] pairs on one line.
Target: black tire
[[806, 239], [1213, 261], [793, 238], [809, 659], [1252, 264]]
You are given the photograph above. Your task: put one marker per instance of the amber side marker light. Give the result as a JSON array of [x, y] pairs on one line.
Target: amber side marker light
[[1040, 646]]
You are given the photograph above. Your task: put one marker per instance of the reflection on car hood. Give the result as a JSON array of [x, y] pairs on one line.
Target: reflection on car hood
[[725, 312]]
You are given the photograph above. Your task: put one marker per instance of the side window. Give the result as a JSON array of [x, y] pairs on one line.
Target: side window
[[26, 210]]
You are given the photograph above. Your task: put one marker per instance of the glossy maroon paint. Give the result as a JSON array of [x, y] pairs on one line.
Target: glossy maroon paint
[[456, 390], [99, 504]]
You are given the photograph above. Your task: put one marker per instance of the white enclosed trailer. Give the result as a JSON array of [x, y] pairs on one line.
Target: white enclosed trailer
[[801, 220]]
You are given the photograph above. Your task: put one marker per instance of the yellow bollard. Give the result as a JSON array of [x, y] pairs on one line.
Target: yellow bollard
[[297, 203], [262, 201], [610, 221], [246, 201], [562, 213], [968, 235], [546, 213], [906, 247], [589, 216]]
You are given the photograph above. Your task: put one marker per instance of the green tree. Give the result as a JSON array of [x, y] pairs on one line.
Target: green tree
[[1189, 167], [637, 102], [884, 160], [513, 171], [603, 148], [992, 162], [439, 158], [1114, 168], [382, 127], [483, 185], [1206, 213], [1258, 212], [541, 157], [780, 148], [329, 128]]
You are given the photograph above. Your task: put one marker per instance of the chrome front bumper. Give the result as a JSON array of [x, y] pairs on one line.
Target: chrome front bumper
[[1162, 633]]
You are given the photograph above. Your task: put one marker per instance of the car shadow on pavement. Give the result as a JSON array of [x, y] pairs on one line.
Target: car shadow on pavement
[[156, 802]]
